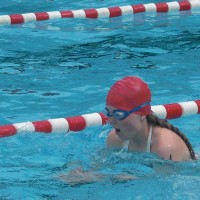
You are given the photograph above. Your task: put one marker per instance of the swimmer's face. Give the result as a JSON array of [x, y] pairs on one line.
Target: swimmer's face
[[125, 128]]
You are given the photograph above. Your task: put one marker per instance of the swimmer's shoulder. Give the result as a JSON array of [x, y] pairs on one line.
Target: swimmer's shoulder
[[113, 140], [169, 145]]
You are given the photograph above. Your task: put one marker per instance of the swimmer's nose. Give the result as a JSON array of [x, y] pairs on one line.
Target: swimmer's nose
[[112, 120]]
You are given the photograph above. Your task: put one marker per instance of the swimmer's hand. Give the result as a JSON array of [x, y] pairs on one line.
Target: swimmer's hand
[[78, 176], [122, 177]]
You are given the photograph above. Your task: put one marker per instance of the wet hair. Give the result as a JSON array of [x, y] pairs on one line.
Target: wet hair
[[154, 120]]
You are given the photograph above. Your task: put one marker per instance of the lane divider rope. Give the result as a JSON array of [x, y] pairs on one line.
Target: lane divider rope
[[78, 123], [101, 12]]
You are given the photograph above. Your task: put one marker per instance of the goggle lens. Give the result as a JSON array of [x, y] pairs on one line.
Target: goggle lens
[[117, 114]]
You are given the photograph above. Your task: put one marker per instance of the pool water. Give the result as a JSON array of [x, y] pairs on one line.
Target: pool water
[[64, 67]]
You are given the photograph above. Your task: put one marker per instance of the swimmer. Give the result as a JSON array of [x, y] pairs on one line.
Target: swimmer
[[136, 128]]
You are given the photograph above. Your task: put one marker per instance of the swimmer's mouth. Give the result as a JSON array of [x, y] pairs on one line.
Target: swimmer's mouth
[[117, 130]]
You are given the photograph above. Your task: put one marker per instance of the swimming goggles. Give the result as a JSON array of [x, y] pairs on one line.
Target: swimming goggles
[[122, 114]]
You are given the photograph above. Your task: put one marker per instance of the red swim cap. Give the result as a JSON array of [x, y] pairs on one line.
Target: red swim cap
[[128, 93]]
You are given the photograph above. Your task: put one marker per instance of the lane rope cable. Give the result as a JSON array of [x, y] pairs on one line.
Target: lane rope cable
[[78, 123], [117, 11]]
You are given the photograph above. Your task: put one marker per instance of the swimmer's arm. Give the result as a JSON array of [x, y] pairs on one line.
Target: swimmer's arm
[[113, 141], [79, 176]]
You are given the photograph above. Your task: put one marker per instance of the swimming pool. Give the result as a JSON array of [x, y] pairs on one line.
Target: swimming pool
[[64, 67]]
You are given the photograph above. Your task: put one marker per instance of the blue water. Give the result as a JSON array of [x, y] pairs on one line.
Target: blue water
[[63, 68]]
